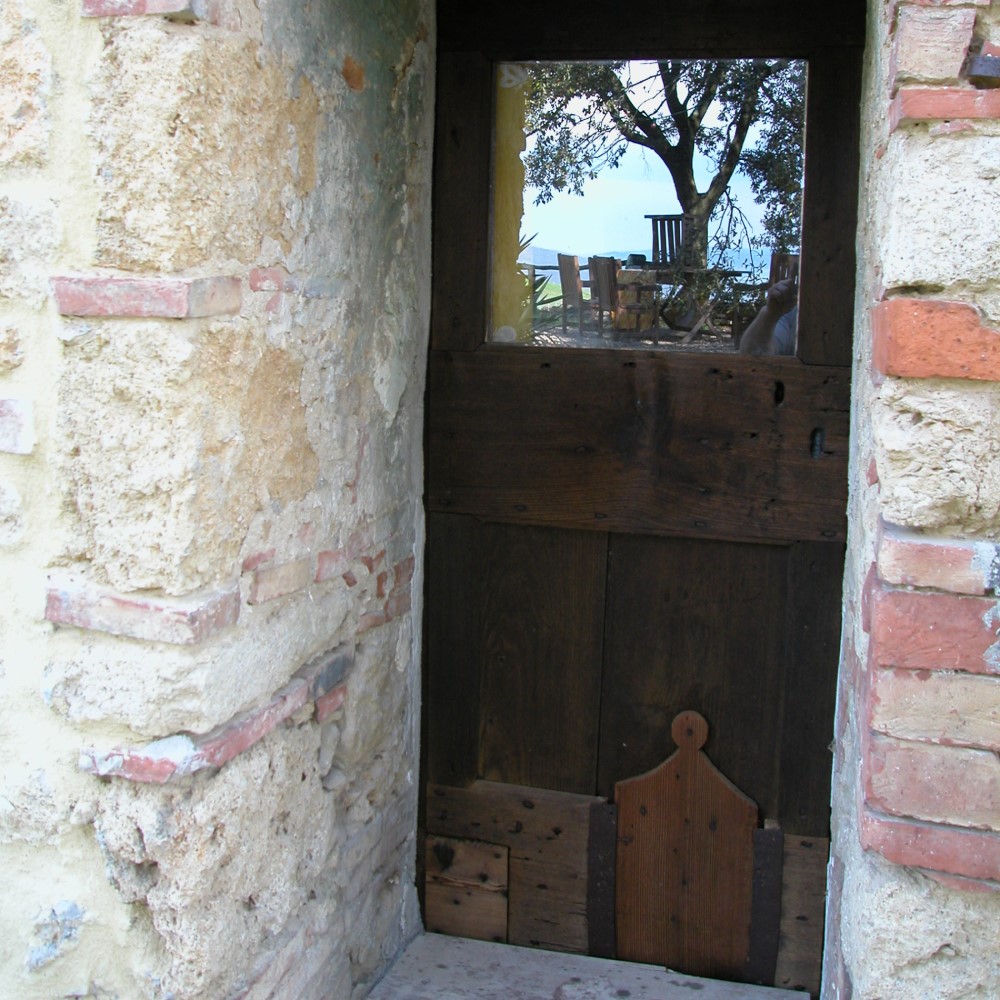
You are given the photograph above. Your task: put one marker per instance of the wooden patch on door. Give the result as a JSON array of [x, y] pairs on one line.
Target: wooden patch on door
[[803, 905], [548, 834], [466, 890]]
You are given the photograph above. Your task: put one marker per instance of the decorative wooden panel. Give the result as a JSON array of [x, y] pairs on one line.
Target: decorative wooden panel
[[685, 862], [541, 656]]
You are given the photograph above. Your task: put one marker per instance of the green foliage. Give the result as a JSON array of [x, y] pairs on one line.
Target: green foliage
[[738, 114]]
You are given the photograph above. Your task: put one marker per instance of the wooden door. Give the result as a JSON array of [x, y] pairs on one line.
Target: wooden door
[[615, 536]]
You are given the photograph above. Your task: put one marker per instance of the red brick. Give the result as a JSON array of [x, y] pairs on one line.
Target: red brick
[[154, 764], [954, 709], [930, 45], [962, 884], [973, 854], [927, 338], [180, 620], [328, 703], [179, 755], [922, 104], [403, 572], [257, 559], [271, 279], [372, 619], [908, 559], [360, 541], [330, 563], [17, 426], [223, 744], [939, 784], [276, 581], [398, 604], [201, 10], [921, 631], [162, 298]]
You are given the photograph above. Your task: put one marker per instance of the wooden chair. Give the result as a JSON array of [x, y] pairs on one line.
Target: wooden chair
[[669, 235], [572, 284], [685, 867], [611, 307]]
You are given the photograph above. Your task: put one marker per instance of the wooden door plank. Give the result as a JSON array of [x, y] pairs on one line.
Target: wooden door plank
[[466, 891], [765, 915], [685, 862], [453, 601], [812, 653], [701, 625], [541, 656], [651, 443], [601, 852]]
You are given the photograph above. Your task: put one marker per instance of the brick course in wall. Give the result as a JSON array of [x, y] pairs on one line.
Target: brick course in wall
[[320, 682], [930, 689], [930, 771]]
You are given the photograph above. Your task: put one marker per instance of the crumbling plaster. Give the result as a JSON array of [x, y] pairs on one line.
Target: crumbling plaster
[[287, 146]]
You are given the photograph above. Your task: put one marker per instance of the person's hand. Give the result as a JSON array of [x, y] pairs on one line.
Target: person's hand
[[781, 296]]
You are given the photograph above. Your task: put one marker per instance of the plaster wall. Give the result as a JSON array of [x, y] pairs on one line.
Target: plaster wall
[[924, 465], [210, 521]]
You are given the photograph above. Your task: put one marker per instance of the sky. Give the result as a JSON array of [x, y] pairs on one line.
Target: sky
[[609, 217]]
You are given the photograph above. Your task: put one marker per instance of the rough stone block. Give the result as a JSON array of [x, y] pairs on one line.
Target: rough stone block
[[924, 338], [184, 621], [922, 631], [29, 234], [272, 582], [11, 515], [937, 447], [930, 45], [952, 709], [211, 147], [25, 86], [17, 426], [11, 354], [165, 298], [908, 559]]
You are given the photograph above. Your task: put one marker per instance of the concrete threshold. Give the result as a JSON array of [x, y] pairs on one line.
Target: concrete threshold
[[439, 967]]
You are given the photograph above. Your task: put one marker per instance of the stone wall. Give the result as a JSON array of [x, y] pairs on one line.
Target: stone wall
[[214, 301], [913, 907]]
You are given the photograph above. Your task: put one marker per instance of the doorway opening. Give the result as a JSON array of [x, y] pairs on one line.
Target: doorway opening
[[621, 534]]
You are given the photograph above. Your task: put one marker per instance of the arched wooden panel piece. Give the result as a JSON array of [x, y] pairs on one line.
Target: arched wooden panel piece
[[685, 862]]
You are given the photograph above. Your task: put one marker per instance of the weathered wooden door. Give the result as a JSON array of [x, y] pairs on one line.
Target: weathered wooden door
[[616, 536]]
